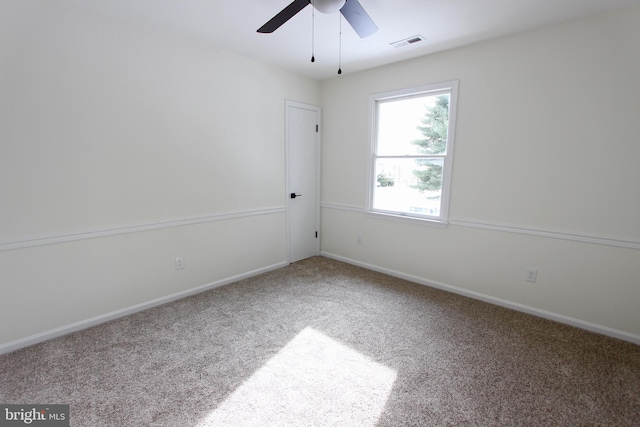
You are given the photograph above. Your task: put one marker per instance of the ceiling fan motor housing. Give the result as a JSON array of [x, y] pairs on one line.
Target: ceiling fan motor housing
[[328, 6]]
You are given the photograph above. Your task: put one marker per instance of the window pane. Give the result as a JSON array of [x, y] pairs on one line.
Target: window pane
[[413, 126], [412, 186]]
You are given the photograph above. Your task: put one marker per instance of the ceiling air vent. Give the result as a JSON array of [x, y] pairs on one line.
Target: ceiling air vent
[[409, 41]]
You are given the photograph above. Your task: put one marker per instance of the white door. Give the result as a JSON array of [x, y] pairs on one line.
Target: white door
[[303, 196]]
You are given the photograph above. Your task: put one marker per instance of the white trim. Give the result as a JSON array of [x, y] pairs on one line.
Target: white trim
[[553, 234], [592, 327], [84, 324], [92, 234], [450, 87], [407, 219], [410, 219], [341, 207], [615, 241]]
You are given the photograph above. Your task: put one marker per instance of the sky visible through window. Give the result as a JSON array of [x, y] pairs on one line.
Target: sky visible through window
[[397, 125]]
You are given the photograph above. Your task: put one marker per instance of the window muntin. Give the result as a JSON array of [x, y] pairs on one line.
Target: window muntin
[[412, 141]]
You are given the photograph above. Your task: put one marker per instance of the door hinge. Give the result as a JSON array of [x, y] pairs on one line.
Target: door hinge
[[316, 128], [316, 234]]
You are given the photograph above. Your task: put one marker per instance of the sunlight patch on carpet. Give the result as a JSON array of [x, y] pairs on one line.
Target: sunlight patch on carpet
[[313, 380]]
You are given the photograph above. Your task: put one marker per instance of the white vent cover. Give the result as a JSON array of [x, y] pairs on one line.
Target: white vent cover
[[409, 41]]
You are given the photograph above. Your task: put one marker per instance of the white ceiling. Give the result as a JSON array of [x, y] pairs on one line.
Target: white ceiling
[[232, 24]]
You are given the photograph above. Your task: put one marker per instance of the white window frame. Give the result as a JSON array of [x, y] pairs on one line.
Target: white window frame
[[450, 87]]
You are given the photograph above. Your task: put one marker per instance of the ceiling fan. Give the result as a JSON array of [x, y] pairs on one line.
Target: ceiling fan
[[352, 11]]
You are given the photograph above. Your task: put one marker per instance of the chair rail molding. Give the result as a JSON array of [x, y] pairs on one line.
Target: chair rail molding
[[576, 236], [136, 228]]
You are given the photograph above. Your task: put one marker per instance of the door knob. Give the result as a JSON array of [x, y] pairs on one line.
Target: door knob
[[294, 195]]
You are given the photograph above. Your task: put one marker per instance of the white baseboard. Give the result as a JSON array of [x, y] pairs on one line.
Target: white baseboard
[[84, 324], [592, 327]]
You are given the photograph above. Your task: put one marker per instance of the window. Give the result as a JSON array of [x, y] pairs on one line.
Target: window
[[411, 151]]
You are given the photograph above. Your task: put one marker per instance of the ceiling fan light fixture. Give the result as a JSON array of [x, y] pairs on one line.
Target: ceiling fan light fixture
[[328, 6]]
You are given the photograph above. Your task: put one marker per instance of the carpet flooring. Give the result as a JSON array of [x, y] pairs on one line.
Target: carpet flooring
[[322, 343]]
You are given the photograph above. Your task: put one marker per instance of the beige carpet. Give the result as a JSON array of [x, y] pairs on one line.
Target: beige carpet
[[325, 343]]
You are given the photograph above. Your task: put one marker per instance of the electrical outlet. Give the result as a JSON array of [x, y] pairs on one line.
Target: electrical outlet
[[530, 275], [358, 240], [179, 263]]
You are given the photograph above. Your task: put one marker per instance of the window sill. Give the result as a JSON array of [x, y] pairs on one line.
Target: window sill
[[439, 223]]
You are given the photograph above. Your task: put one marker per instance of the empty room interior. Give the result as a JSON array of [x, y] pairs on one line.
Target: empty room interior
[[148, 172]]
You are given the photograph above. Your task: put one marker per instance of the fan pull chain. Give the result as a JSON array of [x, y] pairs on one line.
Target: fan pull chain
[[340, 47], [313, 32]]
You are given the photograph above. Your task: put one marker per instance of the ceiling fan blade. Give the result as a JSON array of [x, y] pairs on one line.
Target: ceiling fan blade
[[284, 15], [355, 15]]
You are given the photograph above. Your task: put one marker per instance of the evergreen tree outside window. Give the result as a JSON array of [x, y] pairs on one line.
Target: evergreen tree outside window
[[412, 148]]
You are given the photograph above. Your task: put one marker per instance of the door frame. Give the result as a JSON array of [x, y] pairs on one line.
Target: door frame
[[318, 111]]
